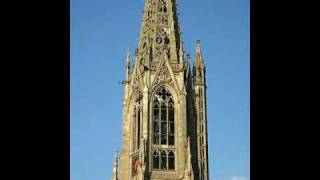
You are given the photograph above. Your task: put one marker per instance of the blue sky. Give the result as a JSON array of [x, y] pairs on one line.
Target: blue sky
[[101, 32]]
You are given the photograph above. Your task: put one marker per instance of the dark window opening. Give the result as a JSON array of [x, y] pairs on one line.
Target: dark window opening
[[163, 160], [163, 130], [171, 160], [137, 123], [156, 158], [163, 118], [166, 40]]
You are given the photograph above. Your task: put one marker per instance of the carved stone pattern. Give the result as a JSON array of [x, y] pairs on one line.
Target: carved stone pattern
[[175, 67], [163, 76], [153, 66], [137, 82]]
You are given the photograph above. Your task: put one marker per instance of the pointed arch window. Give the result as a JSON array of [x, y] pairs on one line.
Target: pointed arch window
[[162, 7], [137, 120], [171, 160], [163, 160], [163, 20], [163, 130], [163, 118], [156, 159], [166, 40]]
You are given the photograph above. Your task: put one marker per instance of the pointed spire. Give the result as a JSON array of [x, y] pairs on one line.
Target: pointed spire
[[115, 172], [198, 50], [128, 58], [128, 64], [116, 157], [199, 69], [159, 19], [199, 60]]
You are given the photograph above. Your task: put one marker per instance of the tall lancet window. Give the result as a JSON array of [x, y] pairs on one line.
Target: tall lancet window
[[163, 118], [137, 120], [171, 160], [163, 130]]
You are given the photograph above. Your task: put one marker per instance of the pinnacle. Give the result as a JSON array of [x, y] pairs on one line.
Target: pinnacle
[[116, 158], [160, 17], [198, 50], [198, 42], [128, 56], [198, 59]]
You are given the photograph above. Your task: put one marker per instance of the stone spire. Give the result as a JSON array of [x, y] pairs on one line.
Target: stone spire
[[159, 31], [199, 68], [199, 62], [115, 171], [161, 76]]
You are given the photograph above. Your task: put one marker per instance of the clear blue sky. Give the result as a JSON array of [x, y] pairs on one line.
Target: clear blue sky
[[101, 32]]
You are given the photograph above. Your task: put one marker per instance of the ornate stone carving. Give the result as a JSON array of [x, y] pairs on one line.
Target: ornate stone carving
[[163, 76], [138, 79], [136, 82], [159, 63], [176, 68]]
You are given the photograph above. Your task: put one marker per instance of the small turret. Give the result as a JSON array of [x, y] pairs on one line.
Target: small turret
[[199, 63], [198, 66]]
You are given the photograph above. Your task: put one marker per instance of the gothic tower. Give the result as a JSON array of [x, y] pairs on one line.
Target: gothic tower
[[164, 105]]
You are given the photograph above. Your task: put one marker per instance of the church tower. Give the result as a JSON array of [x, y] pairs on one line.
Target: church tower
[[164, 104], [200, 103]]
